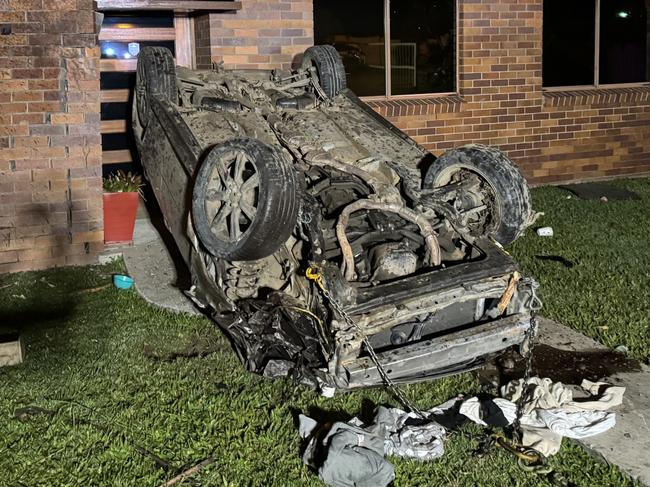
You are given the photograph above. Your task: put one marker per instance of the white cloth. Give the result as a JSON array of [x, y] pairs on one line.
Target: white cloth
[[551, 412], [471, 408]]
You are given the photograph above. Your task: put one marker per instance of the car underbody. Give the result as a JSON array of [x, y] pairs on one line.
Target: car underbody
[[327, 244]]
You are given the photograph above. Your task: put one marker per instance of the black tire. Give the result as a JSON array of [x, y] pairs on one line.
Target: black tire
[[329, 66], [511, 194], [276, 207], [156, 75]]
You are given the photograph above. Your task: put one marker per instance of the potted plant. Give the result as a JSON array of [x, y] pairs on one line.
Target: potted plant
[[122, 193]]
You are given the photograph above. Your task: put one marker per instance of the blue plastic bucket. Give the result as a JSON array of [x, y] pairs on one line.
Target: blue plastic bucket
[[122, 282]]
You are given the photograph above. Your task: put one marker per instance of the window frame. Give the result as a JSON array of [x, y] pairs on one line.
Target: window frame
[[387, 61], [596, 85]]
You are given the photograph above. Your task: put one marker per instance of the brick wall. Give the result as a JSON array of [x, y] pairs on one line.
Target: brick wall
[[262, 35], [50, 152], [552, 136]]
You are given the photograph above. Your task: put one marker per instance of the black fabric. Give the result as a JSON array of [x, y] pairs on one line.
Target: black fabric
[[595, 191]]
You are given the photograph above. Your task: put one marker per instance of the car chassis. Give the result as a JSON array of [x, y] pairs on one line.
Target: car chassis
[[266, 179]]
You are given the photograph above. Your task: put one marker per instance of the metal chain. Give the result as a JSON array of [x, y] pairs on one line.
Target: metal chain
[[405, 402], [529, 341], [534, 304]]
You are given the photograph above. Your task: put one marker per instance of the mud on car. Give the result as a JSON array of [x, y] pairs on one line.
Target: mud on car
[[327, 244]]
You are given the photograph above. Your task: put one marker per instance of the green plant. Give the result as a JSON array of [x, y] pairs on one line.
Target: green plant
[[122, 182]]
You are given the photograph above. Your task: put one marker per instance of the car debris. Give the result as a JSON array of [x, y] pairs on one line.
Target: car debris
[[353, 453], [327, 244]]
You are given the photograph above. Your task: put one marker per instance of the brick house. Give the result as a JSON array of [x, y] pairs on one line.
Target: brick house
[[474, 73]]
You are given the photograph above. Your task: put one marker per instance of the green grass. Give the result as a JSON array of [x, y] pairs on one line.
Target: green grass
[[605, 294], [89, 358]]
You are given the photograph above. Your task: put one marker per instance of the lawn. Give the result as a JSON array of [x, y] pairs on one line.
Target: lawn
[[115, 372]]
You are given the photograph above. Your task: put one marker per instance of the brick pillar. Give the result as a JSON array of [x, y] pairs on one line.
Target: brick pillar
[[262, 35], [50, 143]]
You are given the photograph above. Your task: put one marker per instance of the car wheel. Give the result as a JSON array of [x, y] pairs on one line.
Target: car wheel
[[244, 203], [329, 67], [494, 196], [156, 75]]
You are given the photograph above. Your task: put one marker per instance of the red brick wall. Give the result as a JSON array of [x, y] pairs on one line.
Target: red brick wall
[[552, 136], [262, 35], [50, 146]]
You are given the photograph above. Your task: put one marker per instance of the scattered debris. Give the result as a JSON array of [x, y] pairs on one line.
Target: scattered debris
[[93, 289], [12, 351], [19, 296], [600, 191], [45, 281], [622, 349], [353, 454], [556, 258], [545, 231], [189, 472], [26, 413]]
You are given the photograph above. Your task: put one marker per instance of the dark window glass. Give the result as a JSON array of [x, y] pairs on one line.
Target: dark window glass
[[117, 141], [129, 50], [125, 20], [356, 29], [422, 46], [623, 41], [117, 81], [569, 39], [116, 111]]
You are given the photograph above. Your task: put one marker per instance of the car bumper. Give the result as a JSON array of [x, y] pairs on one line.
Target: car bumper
[[451, 353]]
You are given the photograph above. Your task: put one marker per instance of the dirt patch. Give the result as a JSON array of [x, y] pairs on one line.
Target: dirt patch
[[567, 366]]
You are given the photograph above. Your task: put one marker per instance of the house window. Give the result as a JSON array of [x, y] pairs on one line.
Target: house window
[[595, 42], [415, 39]]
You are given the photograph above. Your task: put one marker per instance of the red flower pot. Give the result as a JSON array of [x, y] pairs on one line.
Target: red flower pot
[[119, 216]]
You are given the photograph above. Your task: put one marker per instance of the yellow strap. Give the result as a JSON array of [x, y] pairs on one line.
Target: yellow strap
[[523, 453]]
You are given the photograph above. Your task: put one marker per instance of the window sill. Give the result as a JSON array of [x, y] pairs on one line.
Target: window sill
[[601, 96], [412, 105]]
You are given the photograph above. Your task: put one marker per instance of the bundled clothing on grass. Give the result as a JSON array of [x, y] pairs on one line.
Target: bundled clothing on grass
[[551, 412], [354, 455]]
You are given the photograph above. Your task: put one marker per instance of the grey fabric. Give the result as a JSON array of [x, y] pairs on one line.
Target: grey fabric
[[354, 453], [354, 456]]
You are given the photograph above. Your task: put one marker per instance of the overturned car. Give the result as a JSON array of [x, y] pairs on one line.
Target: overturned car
[[327, 244]]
